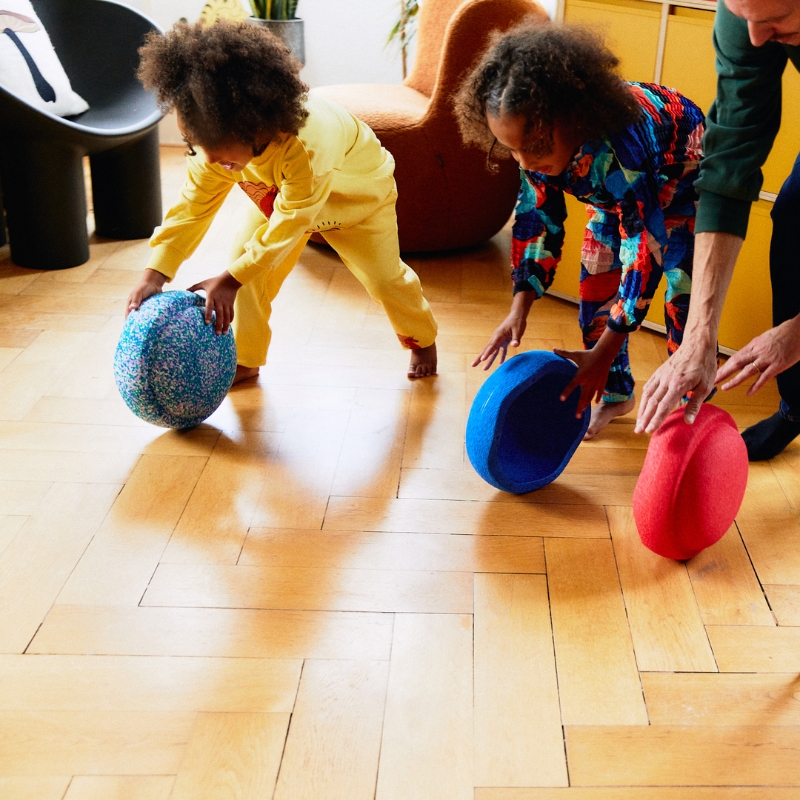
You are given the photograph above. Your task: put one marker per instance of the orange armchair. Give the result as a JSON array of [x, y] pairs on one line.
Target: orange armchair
[[447, 198]]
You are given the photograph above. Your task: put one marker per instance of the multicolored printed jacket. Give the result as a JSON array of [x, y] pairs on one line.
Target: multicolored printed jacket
[[638, 185]]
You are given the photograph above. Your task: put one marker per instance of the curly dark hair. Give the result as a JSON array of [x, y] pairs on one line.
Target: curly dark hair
[[553, 75], [227, 81]]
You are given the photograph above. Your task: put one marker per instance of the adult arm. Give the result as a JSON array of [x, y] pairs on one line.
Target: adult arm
[[693, 367], [740, 129], [766, 356]]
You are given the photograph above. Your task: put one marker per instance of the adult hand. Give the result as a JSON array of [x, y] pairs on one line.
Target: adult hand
[[690, 369], [768, 354], [508, 333], [220, 294], [151, 283]]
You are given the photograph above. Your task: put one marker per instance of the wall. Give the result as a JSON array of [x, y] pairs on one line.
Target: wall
[[345, 40]]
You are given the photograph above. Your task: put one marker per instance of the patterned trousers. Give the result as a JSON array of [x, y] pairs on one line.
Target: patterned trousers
[[601, 275]]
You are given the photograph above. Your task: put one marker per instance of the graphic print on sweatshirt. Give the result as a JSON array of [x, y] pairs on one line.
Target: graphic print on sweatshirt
[[262, 195]]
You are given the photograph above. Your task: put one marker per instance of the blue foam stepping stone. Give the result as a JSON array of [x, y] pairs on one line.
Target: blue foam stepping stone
[[171, 368], [520, 435]]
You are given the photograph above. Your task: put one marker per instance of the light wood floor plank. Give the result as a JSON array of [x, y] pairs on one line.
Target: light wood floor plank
[[76, 410], [414, 551], [683, 756], [666, 626], [334, 741], [7, 355], [35, 566], [785, 467], [73, 438], [21, 498], [785, 602], [597, 677], [9, 527], [640, 793], [146, 683], [755, 649], [770, 528], [436, 419], [298, 481], [453, 516], [307, 589], [49, 465], [232, 757], [518, 736], [31, 373], [692, 699], [466, 484], [427, 730], [369, 462], [123, 787], [218, 632], [623, 462], [88, 374], [119, 562], [34, 788], [725, 585], [56, 743], [214, 523]]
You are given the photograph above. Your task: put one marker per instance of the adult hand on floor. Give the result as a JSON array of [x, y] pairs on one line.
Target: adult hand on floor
[[768, 354], [220, 295]]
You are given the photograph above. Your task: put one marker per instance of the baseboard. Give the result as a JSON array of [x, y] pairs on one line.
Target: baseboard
[[651, 326]]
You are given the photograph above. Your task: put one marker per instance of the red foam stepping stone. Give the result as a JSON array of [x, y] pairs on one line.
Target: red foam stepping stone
[[692, 483]]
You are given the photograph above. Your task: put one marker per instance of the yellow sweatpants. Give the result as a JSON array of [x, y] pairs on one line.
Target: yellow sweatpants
[[370, 251]]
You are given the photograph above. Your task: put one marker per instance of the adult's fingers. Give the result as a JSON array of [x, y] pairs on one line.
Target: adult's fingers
[[737, 361], [770, 372], [658, 400], [747, 371], [693, 407]]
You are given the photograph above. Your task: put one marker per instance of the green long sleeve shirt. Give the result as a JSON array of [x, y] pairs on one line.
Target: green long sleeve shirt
[[741, 124]]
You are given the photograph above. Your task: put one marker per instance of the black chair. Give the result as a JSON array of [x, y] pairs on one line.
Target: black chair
[[41, 169]]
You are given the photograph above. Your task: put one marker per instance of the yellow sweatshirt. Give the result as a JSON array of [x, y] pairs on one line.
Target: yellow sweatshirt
[[330, 176]]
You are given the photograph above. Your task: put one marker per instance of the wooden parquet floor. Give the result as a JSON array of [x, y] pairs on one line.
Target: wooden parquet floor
[[314, 597]]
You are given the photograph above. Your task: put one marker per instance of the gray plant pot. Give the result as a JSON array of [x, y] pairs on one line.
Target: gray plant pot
[[289, 31]]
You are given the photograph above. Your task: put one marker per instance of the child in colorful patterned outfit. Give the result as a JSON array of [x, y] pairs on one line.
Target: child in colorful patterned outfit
[[551, 97], [307, 165]]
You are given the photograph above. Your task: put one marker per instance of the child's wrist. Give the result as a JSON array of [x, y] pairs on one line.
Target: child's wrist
[[154, 277]]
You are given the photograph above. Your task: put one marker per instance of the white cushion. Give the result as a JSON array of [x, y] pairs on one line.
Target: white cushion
[[42, 82]]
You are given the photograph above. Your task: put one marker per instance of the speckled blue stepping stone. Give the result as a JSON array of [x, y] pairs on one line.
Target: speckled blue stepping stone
[[520, 435], [171, 368]]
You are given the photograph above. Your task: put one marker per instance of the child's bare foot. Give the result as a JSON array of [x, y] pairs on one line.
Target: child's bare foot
[[244, 373], [423, 362], [603, 413]]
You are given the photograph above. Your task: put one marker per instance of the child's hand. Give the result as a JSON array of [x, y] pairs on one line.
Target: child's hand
[[220, 294], [508, 333], [591, 376], [151, 283]]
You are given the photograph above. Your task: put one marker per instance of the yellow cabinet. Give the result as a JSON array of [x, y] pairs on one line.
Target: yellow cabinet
[[630, 28], [787, 142], [689, 31], [633, 30]]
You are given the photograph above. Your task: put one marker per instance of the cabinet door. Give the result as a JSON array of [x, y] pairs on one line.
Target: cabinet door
[[568, 274], [787, 142], [748, 306], [630, 28], [689, 30]]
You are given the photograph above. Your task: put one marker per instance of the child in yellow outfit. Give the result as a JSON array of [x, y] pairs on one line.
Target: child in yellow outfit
[[308, 166]]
